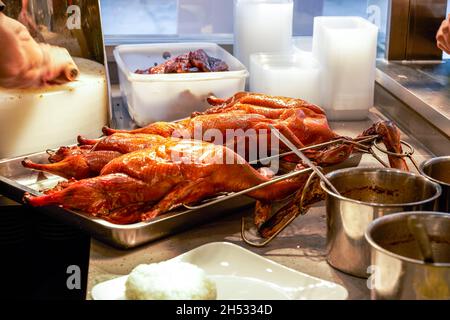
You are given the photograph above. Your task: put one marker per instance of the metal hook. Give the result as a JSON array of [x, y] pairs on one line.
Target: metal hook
[[378, 158], [407, 154], [357, 141], [261, 185], [266, 241], [285, 224]]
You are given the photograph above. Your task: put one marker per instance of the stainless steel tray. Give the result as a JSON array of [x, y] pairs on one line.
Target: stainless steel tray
[[15, 180]]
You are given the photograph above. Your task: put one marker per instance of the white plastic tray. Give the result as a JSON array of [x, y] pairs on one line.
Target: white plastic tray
[[168, 97], [241, 275]]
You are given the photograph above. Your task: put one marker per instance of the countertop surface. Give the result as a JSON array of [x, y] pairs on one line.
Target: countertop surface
[[423, 86], [301, 246]]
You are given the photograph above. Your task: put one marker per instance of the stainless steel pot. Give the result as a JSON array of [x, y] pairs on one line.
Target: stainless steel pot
[[438, 170], [398, 269], [366, 194]]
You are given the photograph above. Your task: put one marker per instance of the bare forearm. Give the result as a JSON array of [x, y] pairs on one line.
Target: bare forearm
[[443, 36], [24, 63]]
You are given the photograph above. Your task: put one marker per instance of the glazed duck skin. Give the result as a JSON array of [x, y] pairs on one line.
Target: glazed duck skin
[[152, 178], [78, 166], [390, 136], [303, 123], [88, 159], [143, 184]]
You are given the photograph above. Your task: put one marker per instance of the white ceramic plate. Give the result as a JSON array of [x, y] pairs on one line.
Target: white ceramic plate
[[241, 275]]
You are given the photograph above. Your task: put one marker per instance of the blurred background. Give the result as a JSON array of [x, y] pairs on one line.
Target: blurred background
[[212, 20]]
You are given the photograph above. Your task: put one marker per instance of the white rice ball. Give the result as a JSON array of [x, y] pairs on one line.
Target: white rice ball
[[169, 281]]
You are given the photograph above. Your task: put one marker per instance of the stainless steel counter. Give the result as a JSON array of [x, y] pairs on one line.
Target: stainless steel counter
[[424, 87], [301, 246], [417, 97]]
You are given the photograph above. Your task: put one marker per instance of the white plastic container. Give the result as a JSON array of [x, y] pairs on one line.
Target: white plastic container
[[346, 50], [262, 26], [295, 75], [168, 97], [33, 120]]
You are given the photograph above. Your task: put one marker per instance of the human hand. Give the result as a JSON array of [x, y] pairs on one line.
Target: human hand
[[24, 63], [443, 36]]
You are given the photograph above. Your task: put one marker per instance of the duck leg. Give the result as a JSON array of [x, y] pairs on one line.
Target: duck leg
[[100, 195], [164, 129], [184, 193], [78, 166], [390, 135]]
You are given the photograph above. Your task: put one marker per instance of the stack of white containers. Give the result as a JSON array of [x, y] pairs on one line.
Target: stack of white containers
[[262, 26], [338, 74], [346, 49], [295, 75]]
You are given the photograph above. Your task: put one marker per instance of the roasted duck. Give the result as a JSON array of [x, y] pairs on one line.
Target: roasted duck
[[246, 114], [300, 121], [145, 172], [88, 159], [245, 118], [143, 184]]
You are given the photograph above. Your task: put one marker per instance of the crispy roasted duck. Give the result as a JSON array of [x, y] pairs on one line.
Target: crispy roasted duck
[[88, 159], [303, 123], [247, 116], [143, 184]]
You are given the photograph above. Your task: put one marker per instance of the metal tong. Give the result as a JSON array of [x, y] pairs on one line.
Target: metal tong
[[307, 162], [407, 153], [359, 145]]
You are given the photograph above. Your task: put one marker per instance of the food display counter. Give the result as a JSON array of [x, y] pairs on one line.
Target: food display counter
[[301, 246], [264, 164]]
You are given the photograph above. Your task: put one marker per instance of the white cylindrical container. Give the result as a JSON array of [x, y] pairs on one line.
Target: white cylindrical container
[[346, 49], [262, 26], [295, 75], [32, 120]]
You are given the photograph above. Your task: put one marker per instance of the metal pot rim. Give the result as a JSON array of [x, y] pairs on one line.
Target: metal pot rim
[[437, 187], [395, 216], [432, 161]]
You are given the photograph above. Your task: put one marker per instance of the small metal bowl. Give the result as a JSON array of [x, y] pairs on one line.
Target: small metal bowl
[[398, 269], [366, 194], [438, 170]]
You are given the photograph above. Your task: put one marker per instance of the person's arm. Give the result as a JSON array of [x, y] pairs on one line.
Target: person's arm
[[13, 63], [24, 63], [443, 36]]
